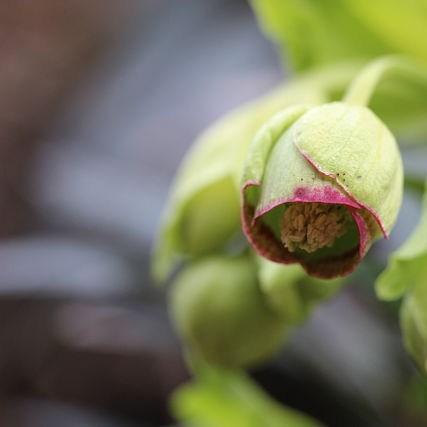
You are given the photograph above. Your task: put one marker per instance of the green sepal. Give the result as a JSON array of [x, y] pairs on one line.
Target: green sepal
[[265, 140], [285, 170]]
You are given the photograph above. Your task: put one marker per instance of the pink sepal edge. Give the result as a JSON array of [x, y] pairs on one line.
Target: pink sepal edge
[[333, 176], [328, 195]]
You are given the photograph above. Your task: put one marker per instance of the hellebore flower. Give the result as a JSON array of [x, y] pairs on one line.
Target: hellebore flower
[[222, 315], [319, 186]]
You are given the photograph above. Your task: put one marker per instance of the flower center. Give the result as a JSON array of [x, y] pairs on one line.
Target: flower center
[[312, 226]]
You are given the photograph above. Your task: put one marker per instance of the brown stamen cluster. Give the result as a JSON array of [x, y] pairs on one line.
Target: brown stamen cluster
[[311, 226]]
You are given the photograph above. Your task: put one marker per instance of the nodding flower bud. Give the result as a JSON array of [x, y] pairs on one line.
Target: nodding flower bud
[[320, 185], [222, 315]]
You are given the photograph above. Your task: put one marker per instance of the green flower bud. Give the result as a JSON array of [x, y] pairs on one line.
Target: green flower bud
[[291, 292], [221, 313], [413, 320], [320, 185]]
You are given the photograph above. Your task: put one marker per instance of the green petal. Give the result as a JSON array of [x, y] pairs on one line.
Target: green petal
[[408, 265], [352, 146]]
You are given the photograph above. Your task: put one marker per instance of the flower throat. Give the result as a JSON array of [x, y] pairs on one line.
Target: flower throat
[[312, 226]]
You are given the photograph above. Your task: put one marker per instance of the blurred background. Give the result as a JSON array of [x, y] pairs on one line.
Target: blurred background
[[99, 100]]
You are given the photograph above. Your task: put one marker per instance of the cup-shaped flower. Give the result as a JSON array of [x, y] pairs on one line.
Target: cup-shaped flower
[[222, 315], [319, 186]]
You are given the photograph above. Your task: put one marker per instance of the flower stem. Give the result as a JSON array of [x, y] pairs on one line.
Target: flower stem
[[364, 85]]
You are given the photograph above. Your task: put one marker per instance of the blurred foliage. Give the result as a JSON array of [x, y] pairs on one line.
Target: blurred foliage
[[313, 33], [291, 292], [407, 266], [219, 398], [415, 396], [306, 32], [414, 183], [413, 317]]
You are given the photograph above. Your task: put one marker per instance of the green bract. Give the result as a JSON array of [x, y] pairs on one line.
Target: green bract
[[408, 265], [320, 185], [221, 314]]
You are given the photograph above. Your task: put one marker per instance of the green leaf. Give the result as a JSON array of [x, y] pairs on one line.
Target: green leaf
[[222, 398], [407, 266]]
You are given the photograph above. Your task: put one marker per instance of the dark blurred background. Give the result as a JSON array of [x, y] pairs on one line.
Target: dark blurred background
[[99, 100]]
